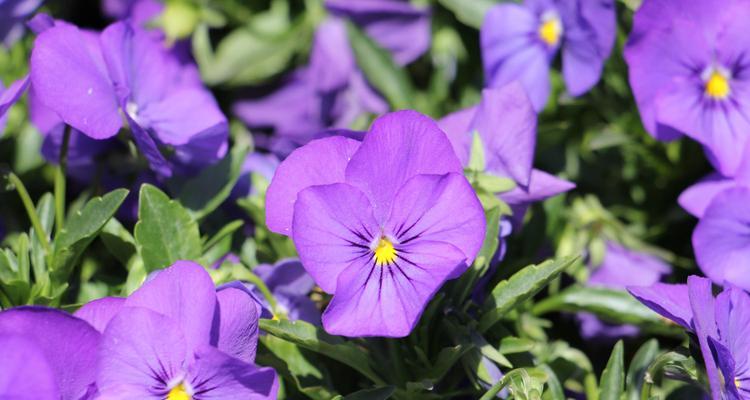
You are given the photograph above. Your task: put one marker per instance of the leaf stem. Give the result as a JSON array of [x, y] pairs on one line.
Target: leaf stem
[[30, 210], [60, 182]]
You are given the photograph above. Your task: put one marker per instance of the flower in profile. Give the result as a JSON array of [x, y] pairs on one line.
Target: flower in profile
[[696, 198], [9, 96], [334, 90], [520, 41], [13, 14], [721, 240], [380, 224], [693, 307], [290, 285], [721, 325], [47, 353], [621, 267], [90, 80], [506, 124], [178, 337], [688, 74]]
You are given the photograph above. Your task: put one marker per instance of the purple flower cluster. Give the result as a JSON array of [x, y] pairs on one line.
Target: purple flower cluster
[[176, 337]]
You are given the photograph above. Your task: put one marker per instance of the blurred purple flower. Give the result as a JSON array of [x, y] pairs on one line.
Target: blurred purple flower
[[334, 90], [506, 123], [47, 352], [621, 267], [689, 75], [291, 285], [139, 12], [721, 326], [519, 42], [381, 224], [10, 96], [255, 163], [178, 336], [13, 14], [89, 79], [721, 240]]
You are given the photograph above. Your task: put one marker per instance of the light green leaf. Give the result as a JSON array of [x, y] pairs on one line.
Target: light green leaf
[[520, 287], [118, 241], [165, 232], [80, 230], [316, 339], [380, 69], [613, 376], [477, 160], [469, 12], [638, 366]]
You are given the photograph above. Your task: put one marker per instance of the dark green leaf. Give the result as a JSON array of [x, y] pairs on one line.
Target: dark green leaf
[[80, 230], [165, 232], [520, 287], [118, 241], [613, 376], [638, 366], [381, 393]]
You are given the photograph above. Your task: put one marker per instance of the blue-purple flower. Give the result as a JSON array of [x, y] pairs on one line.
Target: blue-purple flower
[[13, 14], [9, 96], [90, 80], [689, 74], [290, 285], [178, 337], [380, 224], [520, 41]]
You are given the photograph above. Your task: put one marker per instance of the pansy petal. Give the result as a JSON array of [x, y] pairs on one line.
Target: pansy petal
[[696, 198], [399, 146], [388, 300], [541, 186], [10, 96], [99, 312], [456, 127], [320, 162], [668, 300], [69, 345], [216, 375], [68, 74], [25, 373], [704, 322], [150, 150], [439, 208], [183, 292], [506, 122], [286, 276], [733, 322], [333, 226], [142, 352], [235, 326], [331, 58], [721, 239]]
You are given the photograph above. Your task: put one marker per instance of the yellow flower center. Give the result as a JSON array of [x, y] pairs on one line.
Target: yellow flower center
[[551, 30], [178, 393], [385, 253], [717, 86], [737, 383]]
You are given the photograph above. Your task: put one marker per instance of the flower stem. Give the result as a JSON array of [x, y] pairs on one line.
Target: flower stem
[[60, 182], [30, 210]]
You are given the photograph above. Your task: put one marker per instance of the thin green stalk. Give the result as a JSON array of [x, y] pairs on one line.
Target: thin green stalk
[[60, 182], [30, 210], [394, 350], [494, 390]]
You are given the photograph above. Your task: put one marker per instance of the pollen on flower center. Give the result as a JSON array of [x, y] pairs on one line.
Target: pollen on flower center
[[178, 393], [385, 253], [737, 383], [550, 30], [717, 85]]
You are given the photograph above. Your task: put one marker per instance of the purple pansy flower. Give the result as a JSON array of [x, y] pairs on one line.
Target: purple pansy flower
[[336, 92], [13, 14], [48, 350], [177, 336], [255, 163], [290, 285], [621, 267], [9, 96], [697, 197], [691, 306], [91, 79], [689, 74], [732, 346], [519, 42], [380, 224], [506, 124], [721, 240]]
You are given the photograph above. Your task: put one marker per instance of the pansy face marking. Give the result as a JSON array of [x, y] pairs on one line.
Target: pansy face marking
[[384, 252], [717, 82], [179, 392], [551, 29]]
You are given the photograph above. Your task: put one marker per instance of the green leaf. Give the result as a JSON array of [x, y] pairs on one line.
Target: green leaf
[[80, 230], [469, 12], [204, 193], [316, 339], [118, 241], [477, 160], [45, 209], [613, 376], [380, 69], [381, 393], [165, 232], [615, 306], [638, 366], [520, 287]]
